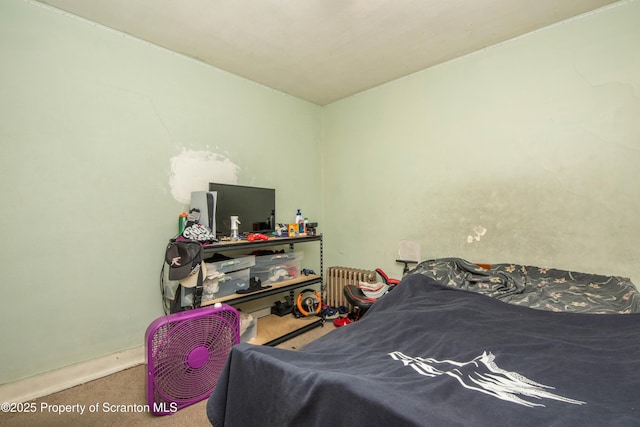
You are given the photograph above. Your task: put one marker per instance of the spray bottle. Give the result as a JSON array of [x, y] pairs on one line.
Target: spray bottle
[[234, 228]]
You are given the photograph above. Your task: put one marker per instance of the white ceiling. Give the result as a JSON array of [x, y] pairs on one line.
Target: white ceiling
[[325, 50]]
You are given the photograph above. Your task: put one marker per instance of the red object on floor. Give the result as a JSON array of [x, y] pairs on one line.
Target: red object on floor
[[341, 321]]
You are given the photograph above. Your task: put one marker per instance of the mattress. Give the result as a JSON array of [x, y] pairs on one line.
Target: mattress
[[431, 354]]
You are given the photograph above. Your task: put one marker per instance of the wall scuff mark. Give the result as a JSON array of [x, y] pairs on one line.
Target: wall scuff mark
[[480, 231], [193, 170]]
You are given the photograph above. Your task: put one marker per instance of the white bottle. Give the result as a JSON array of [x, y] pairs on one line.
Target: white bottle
[[234, 228]]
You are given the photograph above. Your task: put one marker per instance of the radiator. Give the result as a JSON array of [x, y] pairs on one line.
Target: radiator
[[338, 277]]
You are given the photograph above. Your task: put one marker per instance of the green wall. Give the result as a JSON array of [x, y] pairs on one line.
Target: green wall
[[536, 140], [91, 122]]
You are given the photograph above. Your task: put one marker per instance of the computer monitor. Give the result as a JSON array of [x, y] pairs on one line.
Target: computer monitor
[[255, 207]]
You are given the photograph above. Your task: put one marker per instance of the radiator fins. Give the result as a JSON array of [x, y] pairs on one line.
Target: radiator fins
[[338, 277]]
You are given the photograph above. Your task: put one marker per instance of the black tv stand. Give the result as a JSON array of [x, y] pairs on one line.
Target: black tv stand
[[274, 329]]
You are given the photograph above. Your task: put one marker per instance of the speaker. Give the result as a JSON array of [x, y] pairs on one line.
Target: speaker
[[205, 202]]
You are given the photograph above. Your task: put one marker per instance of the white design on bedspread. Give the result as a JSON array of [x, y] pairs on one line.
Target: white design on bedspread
[[483, 375]]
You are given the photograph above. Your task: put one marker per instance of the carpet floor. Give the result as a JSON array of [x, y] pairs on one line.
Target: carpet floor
[[120, 399]]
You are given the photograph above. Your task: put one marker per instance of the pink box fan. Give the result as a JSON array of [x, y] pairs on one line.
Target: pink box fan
[[186, 353]]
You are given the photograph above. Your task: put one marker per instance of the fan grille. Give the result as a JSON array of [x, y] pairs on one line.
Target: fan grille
[[186, 356]]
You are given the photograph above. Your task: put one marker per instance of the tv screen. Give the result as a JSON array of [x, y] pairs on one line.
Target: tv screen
[[255, 207]]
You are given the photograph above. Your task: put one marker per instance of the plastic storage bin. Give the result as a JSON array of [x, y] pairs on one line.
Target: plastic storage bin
[[226, 285], [275, 268], [231, 264], [251, 332]]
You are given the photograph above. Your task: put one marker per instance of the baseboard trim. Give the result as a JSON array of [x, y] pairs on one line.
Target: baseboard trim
[[70, 376]]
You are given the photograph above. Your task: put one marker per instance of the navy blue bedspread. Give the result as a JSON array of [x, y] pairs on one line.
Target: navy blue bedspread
[[431, 355]]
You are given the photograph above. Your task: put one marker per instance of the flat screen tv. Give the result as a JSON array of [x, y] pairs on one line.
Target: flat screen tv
[[255, 207]]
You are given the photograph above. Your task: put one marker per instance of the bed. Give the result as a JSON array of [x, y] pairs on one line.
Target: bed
[[455, 344]]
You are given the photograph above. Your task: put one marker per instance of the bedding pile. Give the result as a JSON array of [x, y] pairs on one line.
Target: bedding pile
[[428, 354], [535, 287]]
